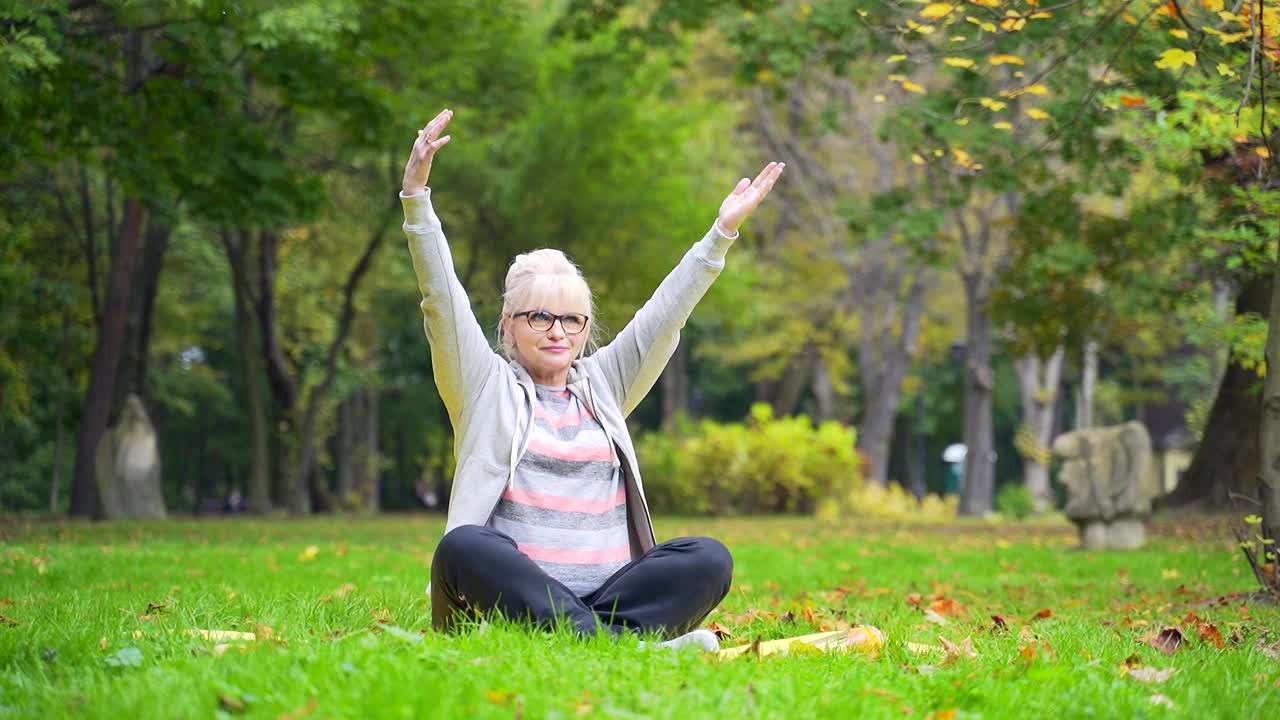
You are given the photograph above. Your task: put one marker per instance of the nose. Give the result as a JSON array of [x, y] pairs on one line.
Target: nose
[[557, 329]]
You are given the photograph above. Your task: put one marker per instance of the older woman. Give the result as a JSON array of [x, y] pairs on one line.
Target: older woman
[[548, 521]]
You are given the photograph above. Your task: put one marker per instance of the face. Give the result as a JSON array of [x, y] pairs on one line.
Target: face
[[547, 354]]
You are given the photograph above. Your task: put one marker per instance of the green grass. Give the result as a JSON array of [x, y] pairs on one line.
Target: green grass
[[76, 598]]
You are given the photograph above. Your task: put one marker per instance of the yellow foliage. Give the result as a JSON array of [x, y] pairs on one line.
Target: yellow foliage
[[984, 25], [894, 503], [1174, 58], [1006, 59], [1002, 125], [937, 10], [1037, 114], [958, 62]]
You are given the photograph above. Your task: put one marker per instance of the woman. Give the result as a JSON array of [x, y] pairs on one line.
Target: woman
[[547, 517]]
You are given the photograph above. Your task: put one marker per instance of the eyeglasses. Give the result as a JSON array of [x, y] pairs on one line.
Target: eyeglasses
[[541, 321]]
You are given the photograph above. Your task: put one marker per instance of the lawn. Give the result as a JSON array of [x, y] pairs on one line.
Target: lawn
[[94, 621]]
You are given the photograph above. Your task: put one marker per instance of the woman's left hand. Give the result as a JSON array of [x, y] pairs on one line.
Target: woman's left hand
[[746, 196]]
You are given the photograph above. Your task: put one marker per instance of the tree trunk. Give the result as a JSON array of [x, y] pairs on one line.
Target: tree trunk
[[1088, 386], [791, 386], [824, 392], [1269, 432], [1038, 382], [978, 495], [106, 361], [131, 376], [259, 490], [1227, 458], [675, 386]]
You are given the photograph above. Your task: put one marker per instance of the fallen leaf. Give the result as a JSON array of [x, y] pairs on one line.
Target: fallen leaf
[[125, 657], [956, 652], [102, 643], [1001, 622], [1150, 674], [914, 599], [1131, 662], [500, 697], [1271, 650], [1043, 614], [312, 705], [1159, 699], [721, 631], [221, 634], [1210, 634], [231, 704], [946, 606], [6, 620], [152, 607], [1167, 641], [934, 617], [309, 553], [948, 714]]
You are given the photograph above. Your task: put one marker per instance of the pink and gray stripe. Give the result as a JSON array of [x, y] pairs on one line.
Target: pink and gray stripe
[[567, 509]]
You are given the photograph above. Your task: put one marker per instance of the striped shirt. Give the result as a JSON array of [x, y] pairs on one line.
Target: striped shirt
[[567, 507]]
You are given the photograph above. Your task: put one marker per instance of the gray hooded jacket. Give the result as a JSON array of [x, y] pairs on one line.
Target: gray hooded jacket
[[490, 399]]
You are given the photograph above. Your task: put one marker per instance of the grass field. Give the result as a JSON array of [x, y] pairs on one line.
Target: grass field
[[94, 621]]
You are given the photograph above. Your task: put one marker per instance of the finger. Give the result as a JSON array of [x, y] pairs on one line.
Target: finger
[[741, 187], [438, 124], [440, 143], [764, 174]]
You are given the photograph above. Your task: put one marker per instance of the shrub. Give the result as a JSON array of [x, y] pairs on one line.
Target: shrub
[[1014, 501], [763, 465], [895, 503]]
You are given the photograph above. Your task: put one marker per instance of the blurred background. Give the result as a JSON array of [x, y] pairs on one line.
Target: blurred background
[[1000, 221]]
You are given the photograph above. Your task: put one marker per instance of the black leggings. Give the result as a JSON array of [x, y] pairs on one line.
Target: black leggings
[[668, 591]]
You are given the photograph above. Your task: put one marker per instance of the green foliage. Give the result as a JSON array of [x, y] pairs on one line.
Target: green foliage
[[1014, 501], [765, 465]]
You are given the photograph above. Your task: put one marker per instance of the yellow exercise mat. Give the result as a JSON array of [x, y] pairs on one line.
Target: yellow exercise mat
[[860, 638]]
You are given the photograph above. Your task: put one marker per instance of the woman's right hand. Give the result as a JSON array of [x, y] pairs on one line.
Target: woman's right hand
[[429, 141]]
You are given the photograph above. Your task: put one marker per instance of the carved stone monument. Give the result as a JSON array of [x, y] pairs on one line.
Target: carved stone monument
[[128, 467], [1110, 483]]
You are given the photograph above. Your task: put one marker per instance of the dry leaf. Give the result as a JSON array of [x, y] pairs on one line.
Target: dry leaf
[[1159, 699], [1150, 674], [946, 606], [948, 714], [721, 631], [933, 617], [500, 697], [1210, 634], [312, 705], [1001, 622], [1043, 614], [956, 652], [231, 704], [1167, 641], [309, 553], [6, 620]]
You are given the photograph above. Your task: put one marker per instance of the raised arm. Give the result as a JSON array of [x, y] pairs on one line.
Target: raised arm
[[632, 363], [460, 354]]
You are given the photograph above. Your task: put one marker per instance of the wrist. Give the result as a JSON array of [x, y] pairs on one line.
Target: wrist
[[725, 229], [407, 190]]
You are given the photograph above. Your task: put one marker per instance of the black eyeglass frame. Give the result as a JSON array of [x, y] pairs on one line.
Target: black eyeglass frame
[[528, 317]]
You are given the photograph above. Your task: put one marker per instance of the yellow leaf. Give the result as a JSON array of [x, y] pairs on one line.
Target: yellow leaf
[[962, 121], [1012, 24], [958, 62], [895, 59], [1232, 38], [1037, 114], [915, 158], [309, 554], [878, 98], [939, 152], [922, 29], [1213, 5], [963, 157], [1036, 89], [984, 25], [1174, 58], [908, 85], [1006, 59], [897, 78], [1178, 33], [1002, 125], [1262, 152], [958, 38], [806, 10], [1043, 14], [993, 105], [1225, 71], [987, 3], [937, 10]]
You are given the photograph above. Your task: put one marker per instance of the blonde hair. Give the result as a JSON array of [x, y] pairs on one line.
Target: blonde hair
[[543, 276]]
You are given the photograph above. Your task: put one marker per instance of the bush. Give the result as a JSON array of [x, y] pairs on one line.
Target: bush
[[764, 465], [895, 503], [1014, 501]]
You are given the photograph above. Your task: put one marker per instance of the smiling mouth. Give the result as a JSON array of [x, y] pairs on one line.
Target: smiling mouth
[[555, 348]]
